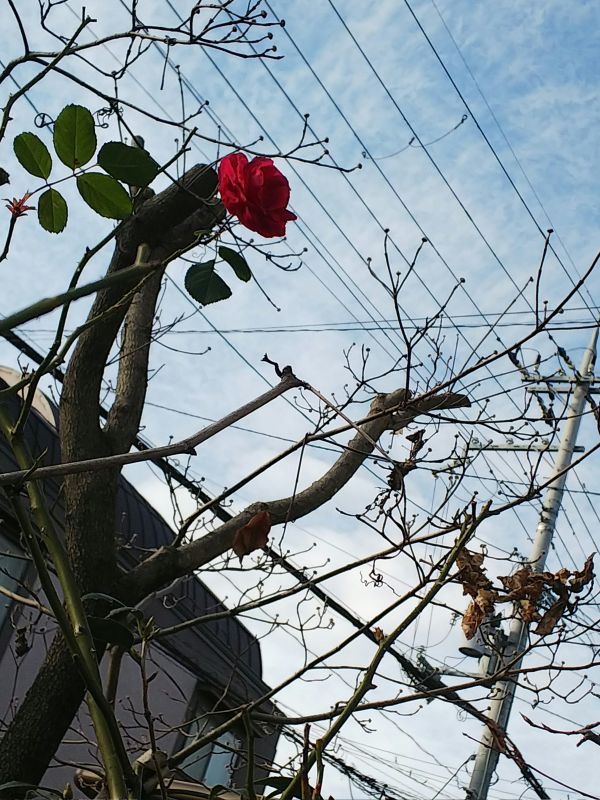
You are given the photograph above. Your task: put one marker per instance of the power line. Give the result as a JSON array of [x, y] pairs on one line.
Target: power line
[[433, 162], [489, 144], [423, 283], [394, 190], [415, 322]]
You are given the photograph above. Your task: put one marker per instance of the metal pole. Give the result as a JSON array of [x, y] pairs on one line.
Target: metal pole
[[504, 691]]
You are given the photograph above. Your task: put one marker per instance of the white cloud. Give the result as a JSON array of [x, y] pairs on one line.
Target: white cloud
[[535, 63]]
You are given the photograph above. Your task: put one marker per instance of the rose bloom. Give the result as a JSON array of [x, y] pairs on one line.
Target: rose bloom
[[256, 193]]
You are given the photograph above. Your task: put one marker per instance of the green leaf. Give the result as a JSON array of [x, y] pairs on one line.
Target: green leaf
[[33, 155], [126, 611], [132, 165], [204, 285], [104, 194], [111, 631], [74, 136], [237, 262], [52, 211], [105, 598]]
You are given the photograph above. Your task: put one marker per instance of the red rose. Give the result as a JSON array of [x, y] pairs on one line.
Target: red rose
[[256, 193]]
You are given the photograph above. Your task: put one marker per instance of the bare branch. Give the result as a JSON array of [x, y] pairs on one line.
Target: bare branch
[[168, 564]]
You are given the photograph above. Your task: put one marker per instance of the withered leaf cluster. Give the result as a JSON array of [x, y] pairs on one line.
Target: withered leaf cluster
[[475, 583], [524, 588]]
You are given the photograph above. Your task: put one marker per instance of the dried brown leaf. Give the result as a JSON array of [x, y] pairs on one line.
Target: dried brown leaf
[[378, 634], [398, 472], [528, 611], [585, 576], [471, 573], [479, 608], [253, 535], [551, 617]]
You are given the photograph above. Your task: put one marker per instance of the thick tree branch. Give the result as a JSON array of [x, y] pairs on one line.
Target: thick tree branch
[[92, 466], [168, 564], [126, 411], [165, 222]]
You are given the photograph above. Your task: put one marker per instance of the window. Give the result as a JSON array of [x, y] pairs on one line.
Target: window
[[216, 762]]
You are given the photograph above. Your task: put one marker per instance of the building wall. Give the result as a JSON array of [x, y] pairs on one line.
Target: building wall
[[209, 666], [189, 680], [172, 687]]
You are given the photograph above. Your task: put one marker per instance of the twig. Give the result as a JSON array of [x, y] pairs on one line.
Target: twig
[[187, 445], [26, 601]]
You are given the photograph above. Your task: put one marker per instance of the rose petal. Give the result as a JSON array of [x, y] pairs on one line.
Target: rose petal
[[256, 192]]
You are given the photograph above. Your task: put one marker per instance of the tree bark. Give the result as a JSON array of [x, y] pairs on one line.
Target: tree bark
[[167, 223], [169, 563], [36, 731]]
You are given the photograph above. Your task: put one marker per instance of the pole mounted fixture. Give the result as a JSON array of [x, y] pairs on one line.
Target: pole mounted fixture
[[503, 692]]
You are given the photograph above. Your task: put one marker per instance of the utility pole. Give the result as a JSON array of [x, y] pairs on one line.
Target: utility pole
[[503, 693]]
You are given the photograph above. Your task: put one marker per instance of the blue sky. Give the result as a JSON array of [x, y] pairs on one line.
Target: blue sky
[[536, 65]]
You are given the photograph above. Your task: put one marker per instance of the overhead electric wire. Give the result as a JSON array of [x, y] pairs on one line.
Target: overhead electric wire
[[504, 458], [432, 161], [194, 93], [216, 119], [266, 133], [502, 131], [490, 145], [423, 283], [345, 326], [18, 85], [430, 157]]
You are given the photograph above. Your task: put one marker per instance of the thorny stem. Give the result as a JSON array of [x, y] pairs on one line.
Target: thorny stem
[[9, 235], [71, 618], [141, 261], [250, 736], [48, 304], [115, 657]]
